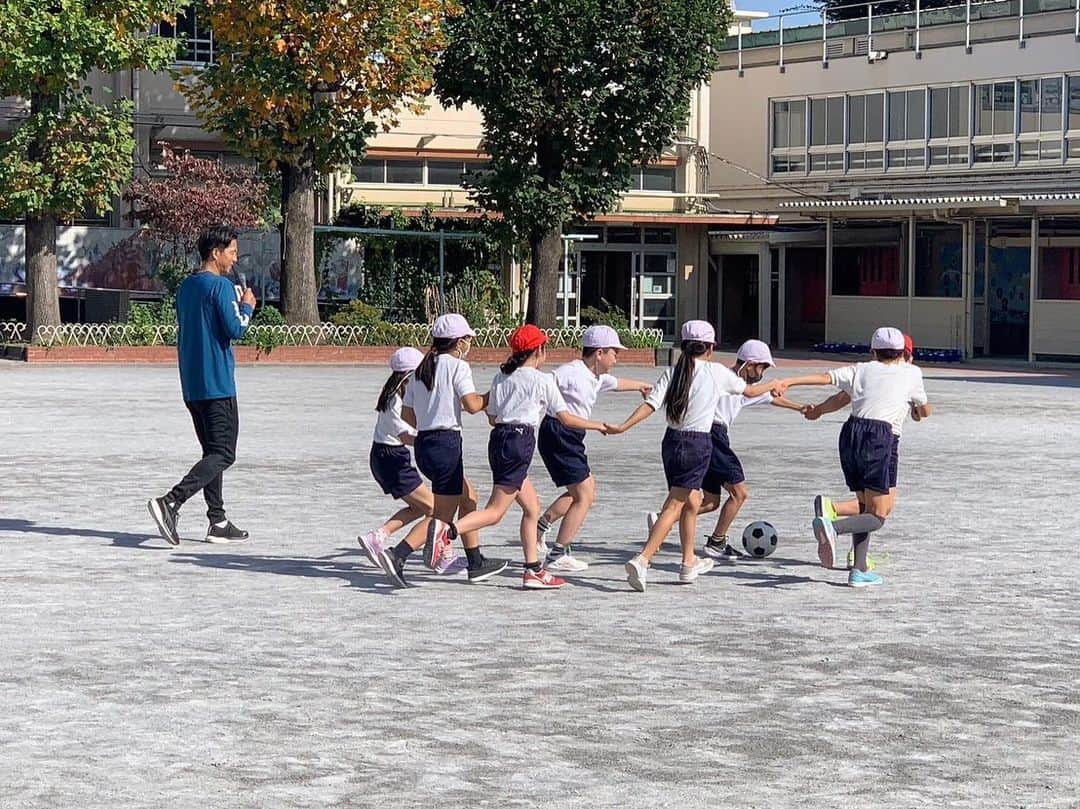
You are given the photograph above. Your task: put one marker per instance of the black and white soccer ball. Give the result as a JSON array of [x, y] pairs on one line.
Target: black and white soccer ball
[[759, 539]]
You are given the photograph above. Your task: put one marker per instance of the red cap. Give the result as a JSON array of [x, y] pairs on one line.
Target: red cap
[[526, 338], [909, 344]]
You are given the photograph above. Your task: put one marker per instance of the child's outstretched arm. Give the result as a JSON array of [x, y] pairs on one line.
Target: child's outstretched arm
[[642, 412], [780, 386], [788, 404], [838, 401], [758, 389], [644, 388], [568, 419]]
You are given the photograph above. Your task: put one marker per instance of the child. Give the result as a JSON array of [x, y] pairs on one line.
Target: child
[[689, 393], [520, 395], [563, 448], [882, 393], [725, 470], [441, 387], [392, 467], [824, 506]]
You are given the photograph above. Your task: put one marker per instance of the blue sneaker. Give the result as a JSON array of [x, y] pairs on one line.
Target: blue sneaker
[[859, 578], [825, 535]]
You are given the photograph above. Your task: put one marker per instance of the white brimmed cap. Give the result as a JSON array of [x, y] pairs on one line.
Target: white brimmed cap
[[755, 351], [700, 330], [405, 359], [451, 327], [601, 337], [887, 337]]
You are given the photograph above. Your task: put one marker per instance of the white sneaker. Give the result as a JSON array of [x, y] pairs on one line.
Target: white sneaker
[[636, 572], [650, 520], [541, 547], [565, 563], [373, 543], [688, 574]]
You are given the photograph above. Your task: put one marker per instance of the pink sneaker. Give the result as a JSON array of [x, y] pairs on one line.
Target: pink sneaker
[[437, 544], [540, 581], [452, 565], [373, 543]]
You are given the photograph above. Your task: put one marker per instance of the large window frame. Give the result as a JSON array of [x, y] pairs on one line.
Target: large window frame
[[194, 42], [1031, 122]]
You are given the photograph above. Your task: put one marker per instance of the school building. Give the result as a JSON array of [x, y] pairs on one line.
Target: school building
[[920, 169]]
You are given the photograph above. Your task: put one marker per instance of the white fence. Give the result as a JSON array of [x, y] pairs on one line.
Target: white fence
[[328, 334]]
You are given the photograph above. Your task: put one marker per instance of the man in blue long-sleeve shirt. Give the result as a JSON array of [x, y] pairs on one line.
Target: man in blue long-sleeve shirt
[[210, 314]]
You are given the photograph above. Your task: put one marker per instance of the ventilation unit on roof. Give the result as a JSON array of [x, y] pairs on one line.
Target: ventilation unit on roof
[[860, 46], [836, 49]]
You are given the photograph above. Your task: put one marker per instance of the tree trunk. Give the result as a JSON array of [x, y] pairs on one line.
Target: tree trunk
[[299, 296], [283, 282], [42, 295], [547, 258]]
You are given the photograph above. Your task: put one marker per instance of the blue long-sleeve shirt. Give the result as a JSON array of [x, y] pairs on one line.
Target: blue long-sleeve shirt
[[209, 316]]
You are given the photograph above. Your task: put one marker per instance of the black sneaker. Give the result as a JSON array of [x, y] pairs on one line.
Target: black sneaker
[[716, 547], [227, 534], [165, 514], [486, 569], [393, 567]]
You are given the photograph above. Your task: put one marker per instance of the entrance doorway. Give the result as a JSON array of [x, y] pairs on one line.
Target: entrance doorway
[[804, 296], [1007, 292], [738, 297]]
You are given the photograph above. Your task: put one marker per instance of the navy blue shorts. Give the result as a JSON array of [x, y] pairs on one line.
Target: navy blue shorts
[[563, 451], [724, 466], [393, 470], [686, 458], [894, 462], [438, 454], [510, 451], [867, 450]]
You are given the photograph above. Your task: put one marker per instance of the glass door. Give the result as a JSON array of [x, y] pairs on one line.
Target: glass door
[[654, 292], [567, 308]]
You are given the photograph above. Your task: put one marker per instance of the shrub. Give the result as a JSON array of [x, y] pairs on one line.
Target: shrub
[[605, 315], [358, 313]]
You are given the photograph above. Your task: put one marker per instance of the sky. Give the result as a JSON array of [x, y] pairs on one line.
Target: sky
[[775, 7]]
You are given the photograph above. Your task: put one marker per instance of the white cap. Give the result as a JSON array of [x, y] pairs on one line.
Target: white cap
[[451, 327], [755, 351], [887, 337], [699, 330], [601, 337], [405, 359]]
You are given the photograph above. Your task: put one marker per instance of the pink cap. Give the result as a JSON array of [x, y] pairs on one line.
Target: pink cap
[[405, 359], [755, 351], [601, 337], [451, 327], [889, 338], [699, 330]]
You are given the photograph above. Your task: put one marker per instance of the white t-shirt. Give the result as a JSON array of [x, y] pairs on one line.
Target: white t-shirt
[[524, 397], [390, 425], [729, 406], [880, 391], [711, 381], [440, 407], [580, 387]]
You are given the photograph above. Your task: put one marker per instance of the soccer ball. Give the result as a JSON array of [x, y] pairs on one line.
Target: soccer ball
[[759, 539]]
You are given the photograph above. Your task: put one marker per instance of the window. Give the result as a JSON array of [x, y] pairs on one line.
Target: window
[[1040, 105], [405, 172], [445, 172], [994, 153], [948, 156], [949, 112], [369, 171], [939, 257], [871, 270], [793, 164], [866, 118], [657, 178], [1040, 151], [1074, 102], [197, 41], [789, 124], [1059, 273], [827, 121], [907, 115], [995, 108]]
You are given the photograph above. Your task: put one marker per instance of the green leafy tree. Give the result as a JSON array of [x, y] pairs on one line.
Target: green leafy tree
[[575, 95], [70, 153], [302, 85]]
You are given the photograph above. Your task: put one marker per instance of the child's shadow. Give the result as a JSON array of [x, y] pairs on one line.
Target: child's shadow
[[119, 538]]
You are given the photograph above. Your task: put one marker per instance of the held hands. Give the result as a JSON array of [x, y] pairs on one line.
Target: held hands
[[645, 391], [613, 429], [811, 412], [780, 387], [248, 297]]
